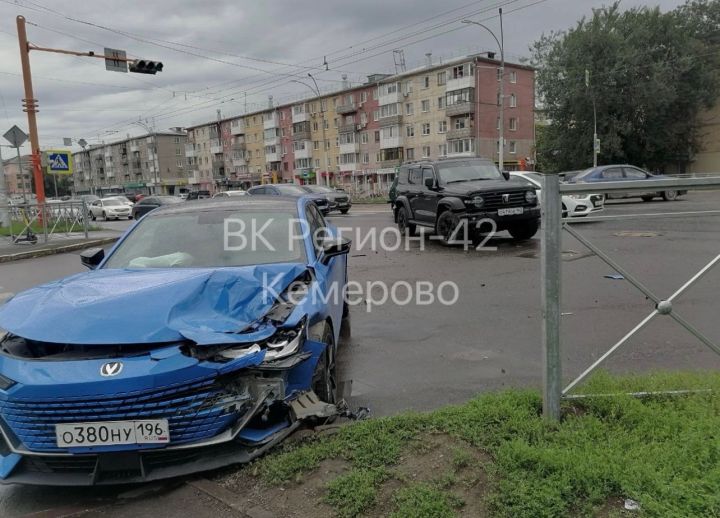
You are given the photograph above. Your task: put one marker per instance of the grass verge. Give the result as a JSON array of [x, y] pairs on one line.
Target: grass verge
[[661, 451], [17, 227]]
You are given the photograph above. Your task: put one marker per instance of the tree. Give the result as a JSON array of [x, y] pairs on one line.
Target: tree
[[649, 74]]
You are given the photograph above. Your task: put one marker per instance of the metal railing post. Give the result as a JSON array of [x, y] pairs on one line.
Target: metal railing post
[[85, 218], [551, 244]]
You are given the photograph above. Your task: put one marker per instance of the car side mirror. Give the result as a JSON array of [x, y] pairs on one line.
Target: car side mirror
[[92, 257], [430, 183], [334, 246], [506, 175]]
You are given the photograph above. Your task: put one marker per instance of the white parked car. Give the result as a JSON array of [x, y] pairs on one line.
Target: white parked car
[[109, 208], [121, 199], [573, 205], [225, 194]]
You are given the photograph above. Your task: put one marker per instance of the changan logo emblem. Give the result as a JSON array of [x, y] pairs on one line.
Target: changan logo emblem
[[506, 198], [111, 369]]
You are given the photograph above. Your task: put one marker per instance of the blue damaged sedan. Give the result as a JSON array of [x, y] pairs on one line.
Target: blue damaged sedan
[[203, 338]]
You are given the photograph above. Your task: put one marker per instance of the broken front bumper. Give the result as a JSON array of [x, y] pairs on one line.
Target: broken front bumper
[[218, 414]]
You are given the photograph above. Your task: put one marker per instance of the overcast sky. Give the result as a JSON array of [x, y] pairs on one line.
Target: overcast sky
[[229, 54]]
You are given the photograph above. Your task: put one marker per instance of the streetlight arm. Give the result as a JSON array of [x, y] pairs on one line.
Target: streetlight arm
[[499, 44], [317, 88]]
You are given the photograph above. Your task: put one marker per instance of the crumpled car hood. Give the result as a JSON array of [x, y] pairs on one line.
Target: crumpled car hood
[[207, 306]]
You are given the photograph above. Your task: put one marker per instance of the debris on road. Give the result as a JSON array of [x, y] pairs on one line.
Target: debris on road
[[615, 276]]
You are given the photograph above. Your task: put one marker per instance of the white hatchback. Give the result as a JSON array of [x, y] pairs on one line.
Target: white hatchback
[[573, 205]]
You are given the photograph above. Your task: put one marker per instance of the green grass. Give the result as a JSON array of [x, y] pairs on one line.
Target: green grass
[[662, 451], [16, 227]]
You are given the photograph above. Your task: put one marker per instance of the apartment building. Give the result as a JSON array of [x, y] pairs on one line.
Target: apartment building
[[357, 137], [18, 178], [152, 163]]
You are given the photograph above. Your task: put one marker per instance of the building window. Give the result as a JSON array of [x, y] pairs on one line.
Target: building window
[[499, 99], [337, 141], [513, 101], [410, 153], [441, 103], [442, 126], [363, 118], [364, 137], [376, 115], [512, 147], [442, 150], [375, 94], [425, 105], [460, 123], [335, 124], [366, 158], [461, 146], [513, 76], [408, 87], [426, 128], [513, 124], [426, 82], [441, 78], [465, 95], [316, 144], [363, 97], [426, 151], [410, 130], [315, 126], [497, 124], [377, 136], [390, 110], [409, 109]]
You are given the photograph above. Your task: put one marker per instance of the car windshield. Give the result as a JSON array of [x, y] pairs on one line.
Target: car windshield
[[581, 174], [290, 189], [112, 203], [199, 240], [468, 171]]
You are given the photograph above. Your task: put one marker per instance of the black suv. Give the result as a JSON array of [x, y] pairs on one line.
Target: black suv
[[444, 193]]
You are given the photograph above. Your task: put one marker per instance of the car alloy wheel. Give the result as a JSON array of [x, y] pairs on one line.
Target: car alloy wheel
[[324, 381], [670, 195], [446, 225], [403, 222]]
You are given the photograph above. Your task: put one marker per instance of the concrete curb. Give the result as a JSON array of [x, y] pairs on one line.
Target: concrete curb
[[40, 252]]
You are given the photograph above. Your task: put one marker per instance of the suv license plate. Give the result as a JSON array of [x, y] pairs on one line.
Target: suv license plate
[[110, 433], [514, 211]]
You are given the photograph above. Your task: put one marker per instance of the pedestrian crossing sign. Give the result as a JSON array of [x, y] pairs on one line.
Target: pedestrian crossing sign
[[59, 162]]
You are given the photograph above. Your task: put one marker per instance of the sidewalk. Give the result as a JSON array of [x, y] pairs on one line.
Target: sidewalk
[[57, 244]]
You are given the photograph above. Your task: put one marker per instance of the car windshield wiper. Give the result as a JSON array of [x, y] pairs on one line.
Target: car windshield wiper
[[464, 180]]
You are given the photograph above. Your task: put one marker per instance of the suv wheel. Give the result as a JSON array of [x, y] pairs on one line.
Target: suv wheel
[[524, 230], [445, 227], [403, 222]]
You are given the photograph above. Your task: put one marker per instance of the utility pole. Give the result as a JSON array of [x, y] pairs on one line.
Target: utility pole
[[596, 142], [30, 107], [501, 127]]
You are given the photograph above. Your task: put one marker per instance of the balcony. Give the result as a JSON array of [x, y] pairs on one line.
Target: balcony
[[390, 142], [216, 147], [195, 177], [271, 121], [348, 167], [190, 151], [302, 116], [349, 147], [272, 141], [455, 134], [239, 162], [392, 98], [272, 157], [387, 164], [305, 152], [465, 108], [347, 128], [302, 135], [346, 108], [460, 83], [393, 120], [134, 148], [237, 127]]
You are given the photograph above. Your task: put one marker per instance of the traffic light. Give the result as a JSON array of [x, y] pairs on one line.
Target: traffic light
[[143, 66]]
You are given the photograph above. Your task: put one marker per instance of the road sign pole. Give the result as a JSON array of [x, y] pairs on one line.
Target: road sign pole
[[31, 108]]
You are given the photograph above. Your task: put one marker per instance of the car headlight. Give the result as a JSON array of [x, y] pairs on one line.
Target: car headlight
[[531, 197], [475, 201], [284, 342], [578, 196]]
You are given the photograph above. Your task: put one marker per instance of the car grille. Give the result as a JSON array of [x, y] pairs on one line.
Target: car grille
[[494, 200], [341, 199], [195, 411]]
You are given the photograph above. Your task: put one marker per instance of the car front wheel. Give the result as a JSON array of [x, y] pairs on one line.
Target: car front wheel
[[403, 222], [325, 376], [446, 227], [670, 195], [524, 231], [344, 211]]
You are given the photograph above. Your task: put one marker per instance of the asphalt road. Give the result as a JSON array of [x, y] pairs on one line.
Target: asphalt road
[[403, 357]]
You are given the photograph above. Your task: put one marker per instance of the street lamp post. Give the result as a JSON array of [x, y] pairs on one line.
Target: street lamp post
[[316, 91], [501, 127]]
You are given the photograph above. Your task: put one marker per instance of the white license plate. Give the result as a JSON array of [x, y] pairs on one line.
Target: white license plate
[[111, 433], [514, 211]]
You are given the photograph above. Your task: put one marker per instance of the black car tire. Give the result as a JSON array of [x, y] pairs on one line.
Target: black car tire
[[324, 382], [524, 230], [647, 198], [403, 222], [92, 216], [670, 195], [104, 216], [445, 227], [344, 211]]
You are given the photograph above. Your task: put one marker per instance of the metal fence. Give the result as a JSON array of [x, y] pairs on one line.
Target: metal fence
[[551, 272], [33, 223]]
